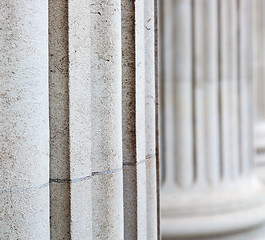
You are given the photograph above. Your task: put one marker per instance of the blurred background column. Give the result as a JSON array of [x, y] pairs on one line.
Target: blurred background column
[[209, 187], [258, 47]]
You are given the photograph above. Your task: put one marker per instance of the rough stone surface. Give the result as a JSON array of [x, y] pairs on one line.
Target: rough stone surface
[[108, 206], [24, 133], [107, 194]]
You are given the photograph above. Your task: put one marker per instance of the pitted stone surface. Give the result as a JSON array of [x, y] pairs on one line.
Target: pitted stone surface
[[24, 132]]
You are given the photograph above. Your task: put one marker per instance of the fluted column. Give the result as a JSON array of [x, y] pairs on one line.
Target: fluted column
[[208, 179], [24, 117], [258, 47]]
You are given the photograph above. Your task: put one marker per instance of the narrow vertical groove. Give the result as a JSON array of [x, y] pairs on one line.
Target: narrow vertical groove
[[260, 64], [249, 81], [233, 35], [161, 89], [245, 90], [129, 118], [161, 106], [194, 135], [168, 95], [134, 140], [220, 94], [182, 82], [239, 80], [258, 79], [206, 89], [254, 67], [173, 98], [261, 14], [158, 10], [59, 118], [259, 53], [228, 87]]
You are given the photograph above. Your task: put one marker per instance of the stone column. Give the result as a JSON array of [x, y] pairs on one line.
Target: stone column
[[258, 47], [208, 183], [24, 117], [70, 120]]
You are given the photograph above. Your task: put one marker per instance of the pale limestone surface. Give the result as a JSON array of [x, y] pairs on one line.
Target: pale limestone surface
[[24, 133], [107, 188], [150, 120]]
